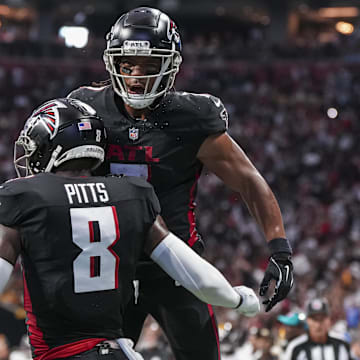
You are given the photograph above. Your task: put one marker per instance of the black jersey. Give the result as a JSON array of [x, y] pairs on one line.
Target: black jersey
[[163, 149], [81, 239]]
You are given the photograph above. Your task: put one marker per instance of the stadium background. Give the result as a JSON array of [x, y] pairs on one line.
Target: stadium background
[[288, 73]]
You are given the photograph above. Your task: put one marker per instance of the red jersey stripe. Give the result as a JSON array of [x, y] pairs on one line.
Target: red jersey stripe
[[36, 336], [110, 248], [71, 349], [215, 328], [191, 213]]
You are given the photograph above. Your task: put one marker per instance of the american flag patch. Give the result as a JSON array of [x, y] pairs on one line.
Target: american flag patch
[[84, 125]]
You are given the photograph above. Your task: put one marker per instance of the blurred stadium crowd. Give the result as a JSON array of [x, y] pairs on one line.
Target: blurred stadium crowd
[[295, 111]]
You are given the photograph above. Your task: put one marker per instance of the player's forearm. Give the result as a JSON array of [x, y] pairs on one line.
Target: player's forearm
[[194, 273], [224, 157], [263, 206]]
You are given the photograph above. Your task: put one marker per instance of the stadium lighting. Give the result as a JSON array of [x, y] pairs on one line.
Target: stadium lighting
[[74, 36], [344, 28], [332, 113]]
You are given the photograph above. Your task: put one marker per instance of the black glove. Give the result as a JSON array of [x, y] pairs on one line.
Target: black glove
[[280, 269]]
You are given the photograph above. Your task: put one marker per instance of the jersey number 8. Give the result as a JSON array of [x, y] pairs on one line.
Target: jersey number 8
[[95, 231]]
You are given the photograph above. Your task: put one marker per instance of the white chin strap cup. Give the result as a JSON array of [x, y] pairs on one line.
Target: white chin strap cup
[[137, 103]]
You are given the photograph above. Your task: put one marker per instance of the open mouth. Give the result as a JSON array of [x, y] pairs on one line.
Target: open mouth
[[136, 89]]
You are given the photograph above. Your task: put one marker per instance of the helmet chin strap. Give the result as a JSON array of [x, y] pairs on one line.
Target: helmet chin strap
[[138, 103], [53, 158]]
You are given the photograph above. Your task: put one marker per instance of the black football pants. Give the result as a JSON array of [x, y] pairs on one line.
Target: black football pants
[[188, 323]]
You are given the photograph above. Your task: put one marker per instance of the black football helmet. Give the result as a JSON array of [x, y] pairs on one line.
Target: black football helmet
[[58, 131], [143, 31]]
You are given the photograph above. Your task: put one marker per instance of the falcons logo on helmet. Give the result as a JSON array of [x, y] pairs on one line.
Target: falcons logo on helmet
[[172, 32], [48, 116]]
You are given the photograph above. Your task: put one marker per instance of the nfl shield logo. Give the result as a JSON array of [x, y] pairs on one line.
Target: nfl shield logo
[[133, 133]]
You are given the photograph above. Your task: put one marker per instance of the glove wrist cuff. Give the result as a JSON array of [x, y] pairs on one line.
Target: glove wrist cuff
[[279, 245], [240, 301]]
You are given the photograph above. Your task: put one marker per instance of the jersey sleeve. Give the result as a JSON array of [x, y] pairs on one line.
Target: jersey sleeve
[[10, 200], [213, 115]]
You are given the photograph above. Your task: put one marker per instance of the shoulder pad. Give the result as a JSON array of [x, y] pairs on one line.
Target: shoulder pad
[[11, 201], [145, 190], [85, 92], [138, 181], [19, 184], [119, 176], [208, 111]]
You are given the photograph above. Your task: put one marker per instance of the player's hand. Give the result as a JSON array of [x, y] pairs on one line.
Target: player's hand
[[250, 304], [280, 269]]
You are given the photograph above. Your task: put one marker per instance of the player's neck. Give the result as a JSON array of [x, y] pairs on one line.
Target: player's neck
[[136, 113], [73, 173]]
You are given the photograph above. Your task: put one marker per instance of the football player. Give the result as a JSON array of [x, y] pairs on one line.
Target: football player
[[166, 137], [80, 238]]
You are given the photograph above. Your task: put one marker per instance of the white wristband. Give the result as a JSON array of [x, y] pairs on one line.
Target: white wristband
[[6, 270]]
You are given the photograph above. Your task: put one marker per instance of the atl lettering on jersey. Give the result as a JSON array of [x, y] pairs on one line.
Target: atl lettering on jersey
[[131, 153]]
